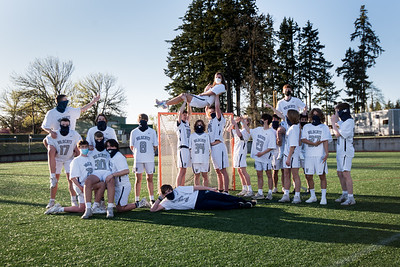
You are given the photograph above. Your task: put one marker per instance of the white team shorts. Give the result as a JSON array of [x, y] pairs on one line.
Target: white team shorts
[[79, 194], [102, 174], [183, 157], [262, 166], [122, 191], [314, 165], [140, 167], [219, 156], [239, 161], [200, 101], [344, 163], [302, 163], [61, 163], [295, 162], [277, 162], [200, 167]]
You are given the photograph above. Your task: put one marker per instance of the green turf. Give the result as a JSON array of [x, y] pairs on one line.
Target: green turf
[[367, 234]]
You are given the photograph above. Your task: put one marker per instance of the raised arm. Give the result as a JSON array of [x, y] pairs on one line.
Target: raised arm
[[218, 108], [181, 111], [91, 103], [277, 112]]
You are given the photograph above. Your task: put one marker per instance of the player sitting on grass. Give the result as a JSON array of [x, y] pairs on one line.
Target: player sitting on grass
[[241, 137], [143, 143], [315, 136], [206, 98], [63, 147], [81, 167], [344, 131], [197, 197], [199, 145]]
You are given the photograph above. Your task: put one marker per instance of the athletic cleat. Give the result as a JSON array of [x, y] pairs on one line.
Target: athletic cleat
[[275, 190], [99, 210], [88, 213], [55, 209], [269, 196], [285, 198], [249, 194], [144, 203], [342, 198], [296, 200], [242, 193], [323, 201], [349, 201], [162, 104], [102, 205], [110, 212], [51, 204], [312, 200], [258, 196], [247, 205], [253, 202], [53, 182]]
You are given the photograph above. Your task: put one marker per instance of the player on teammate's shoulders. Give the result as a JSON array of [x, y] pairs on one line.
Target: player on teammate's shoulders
[[264, 142], [290, 102], [81, 167], [207, 98], [63, 146], [344, 131], [291, 158], [183, 135], [241, 137], [278, 124], [101, 125], [199, 145], [143, 143], [219, 152], [315, 137]]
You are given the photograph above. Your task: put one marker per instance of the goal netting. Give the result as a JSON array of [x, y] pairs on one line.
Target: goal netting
[[167, 150]]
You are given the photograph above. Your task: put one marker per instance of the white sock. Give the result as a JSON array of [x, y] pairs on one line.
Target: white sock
[[323, 193], [137, 199], [62, 209], [312, 192], [249, 188], [350, 195], [297, 194], [344, 192], [260, 191], [73, 198], [53, 175], [287, 192], [52, 200], [151, 197], [244, 188], [88, 205], [110, 205], [269, 191]]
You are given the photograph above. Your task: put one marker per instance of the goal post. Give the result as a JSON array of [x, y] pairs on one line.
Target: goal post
[[167, 150]]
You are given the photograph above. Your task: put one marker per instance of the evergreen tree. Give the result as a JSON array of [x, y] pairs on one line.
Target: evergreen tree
[[327, 94]]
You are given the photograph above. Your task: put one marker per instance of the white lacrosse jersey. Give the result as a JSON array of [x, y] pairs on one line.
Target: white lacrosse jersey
[[294, 103], [199, 145], [101, 159], [216, 129], [240, 143], [81, 168], [344, 146], [314, 134], [118, 163], [293, 139], [53, 118], [262, 140], [109, 133], [185, 199], [64, 145], [218, 89], [183, 133], [143, 144]]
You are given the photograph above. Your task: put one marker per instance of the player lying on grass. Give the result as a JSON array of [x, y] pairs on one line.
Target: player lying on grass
[[206, 98], [81, 167], [197, 197], [315, 136], [62, 148]]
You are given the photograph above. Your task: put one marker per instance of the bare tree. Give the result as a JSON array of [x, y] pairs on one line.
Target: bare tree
[[112, 97], [11, 104]]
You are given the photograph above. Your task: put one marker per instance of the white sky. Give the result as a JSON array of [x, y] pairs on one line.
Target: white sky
[[126, 38]]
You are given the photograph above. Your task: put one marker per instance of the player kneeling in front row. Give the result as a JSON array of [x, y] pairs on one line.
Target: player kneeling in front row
[[81, 168], [315, 136], [197, 197]]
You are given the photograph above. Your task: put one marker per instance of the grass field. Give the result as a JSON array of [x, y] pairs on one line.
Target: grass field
[[367, 234]]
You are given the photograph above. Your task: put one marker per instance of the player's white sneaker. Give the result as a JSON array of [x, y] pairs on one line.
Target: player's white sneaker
[[242, 193], [285, 198], [55, 209], [296, 200], [144, 203], [312, 200], [342, 198], [269, 196], [51, 204], [53, 182], [349, 201], [99, 210], [323, 201], [103, 205], [162, 104], [249, 194], [110, 212], [258, 196], [88, 213], [275, 190], [74, 203]]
